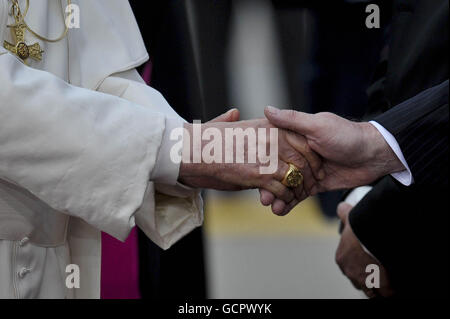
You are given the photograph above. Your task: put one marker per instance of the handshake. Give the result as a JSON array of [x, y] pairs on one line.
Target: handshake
[[288, 156]]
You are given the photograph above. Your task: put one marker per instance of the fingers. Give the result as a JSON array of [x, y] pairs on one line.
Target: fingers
[[234, 115], [299, 191], [309, 181], [290, 207], [230, 116], [359, 282], [300, 144], [279, 175], [343, 210], [281, 204], [370, 293], [303, 196], [278, 207], [266, 197], [280, 191], [299, 122], [302, 165], [282, 169], [273, 185]]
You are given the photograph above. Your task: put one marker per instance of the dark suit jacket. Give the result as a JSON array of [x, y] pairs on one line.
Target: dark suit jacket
[[406, 228], [190, 74]]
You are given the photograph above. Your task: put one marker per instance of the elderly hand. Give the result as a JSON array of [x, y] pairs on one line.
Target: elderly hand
[[353, 153], [352, 259], [236, 175]]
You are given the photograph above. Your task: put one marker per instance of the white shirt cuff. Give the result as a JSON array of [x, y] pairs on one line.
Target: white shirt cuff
[[355, 196], [353, 199], [167, 171], [405, 177]]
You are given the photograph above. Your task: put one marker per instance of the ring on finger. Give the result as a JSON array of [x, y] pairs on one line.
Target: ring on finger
[[293, 177]]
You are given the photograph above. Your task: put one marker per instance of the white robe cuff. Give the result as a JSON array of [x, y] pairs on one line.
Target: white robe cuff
[[166, 170], [170, 210]]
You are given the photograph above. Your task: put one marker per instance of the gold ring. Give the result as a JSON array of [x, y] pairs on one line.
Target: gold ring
[[293, 177]]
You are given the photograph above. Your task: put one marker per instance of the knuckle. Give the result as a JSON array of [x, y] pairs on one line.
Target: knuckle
[[291, 114], [307, 148], [282, 168], [302, 165], [325, 114]]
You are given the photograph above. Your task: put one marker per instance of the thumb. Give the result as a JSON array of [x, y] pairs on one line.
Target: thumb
[[230, 116], [343, 210], [302, 123]]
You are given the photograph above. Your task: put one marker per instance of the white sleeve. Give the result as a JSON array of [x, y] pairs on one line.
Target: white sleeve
[[84, 153], [170, 210], [405, 177], [353, 198], [130, 86]]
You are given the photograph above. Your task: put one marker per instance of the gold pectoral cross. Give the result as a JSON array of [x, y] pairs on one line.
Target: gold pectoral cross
[[20, 48]]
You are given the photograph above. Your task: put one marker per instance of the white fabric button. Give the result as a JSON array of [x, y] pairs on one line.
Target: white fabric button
[[24, 241], [22, 272]]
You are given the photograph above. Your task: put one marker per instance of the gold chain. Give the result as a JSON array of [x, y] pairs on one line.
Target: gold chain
[[19, 17]]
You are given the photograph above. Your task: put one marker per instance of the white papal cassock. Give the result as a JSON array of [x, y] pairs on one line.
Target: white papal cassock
[[83, 147]]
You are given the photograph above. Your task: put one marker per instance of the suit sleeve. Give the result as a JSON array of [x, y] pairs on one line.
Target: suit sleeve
[[406, 229], [420, 126]]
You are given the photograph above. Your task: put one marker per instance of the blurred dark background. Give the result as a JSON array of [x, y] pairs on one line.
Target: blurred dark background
[[210, 55]]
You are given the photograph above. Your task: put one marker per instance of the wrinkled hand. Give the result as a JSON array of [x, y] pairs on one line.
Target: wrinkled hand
[[353, 153], [306, 160], [238, 176], [353, 260]]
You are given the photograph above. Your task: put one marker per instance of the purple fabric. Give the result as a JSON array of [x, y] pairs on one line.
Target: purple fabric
[[120, 261], [147, 73], [120, 267]]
